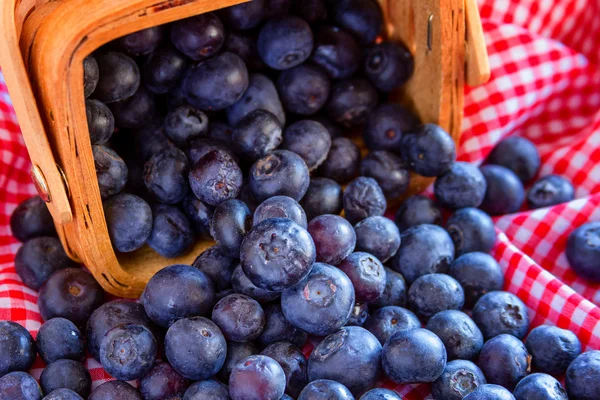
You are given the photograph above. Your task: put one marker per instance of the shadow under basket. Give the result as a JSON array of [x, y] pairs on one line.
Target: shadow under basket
[[42, 51]]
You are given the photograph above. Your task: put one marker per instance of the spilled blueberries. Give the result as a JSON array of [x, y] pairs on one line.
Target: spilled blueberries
[[242, 126]]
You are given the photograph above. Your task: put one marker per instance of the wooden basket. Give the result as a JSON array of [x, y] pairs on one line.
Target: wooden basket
[[41, 53]]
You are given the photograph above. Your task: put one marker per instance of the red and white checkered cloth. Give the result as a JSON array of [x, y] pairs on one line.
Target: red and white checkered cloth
[[545, 85]]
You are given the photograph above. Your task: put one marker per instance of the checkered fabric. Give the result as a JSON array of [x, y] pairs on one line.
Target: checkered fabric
[[545, 85]]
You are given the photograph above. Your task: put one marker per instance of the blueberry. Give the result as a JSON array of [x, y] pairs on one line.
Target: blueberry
[[359, 315], [334, 238], [363, 198], [412, 356], [388, 320], [388, 170], [324, 196], [19, 386], [128, 352], [278, 329], [142, 42], [199, 37], [280, 173], [504, 194], [119, 77], [424, 249], [109, 316], [583, 249], [478, 274], [458, 380], [240, 318], [63, 394], [207, 390], [244, 45], [462, 186], [18, 348], [184, 124], [310, 140], [350, 102], [216, 83], [111, 171], [163, 69], [552, 349], [216, 177], [517, 154], [549, 191], [539, 387], [321, 303], [67, 374], [337, 52], [199, 215], [471, 230], [115, 389], [257, 377], [378, 236], [59, 338], [504, 361], [389, 65], [195, 347], [100, 120], [90, 75], [343, 160], [166, 175], [429, 150], [231, 222], [461, 337], [394, 293], [417, 210], [235, 353], [311, 10], [285, 42], [172, 233], [244, 16], [498, 312], [175, 292], [162, 382], [241, 284], [303, 89], [40, 257], [363, 18], [200, 147], [277, 253], [217, 266], [380, 394], [135, 111], [432, 293], [280, 207], [581, 379], [150, 140], [366, 274], [324, 389], [257, 134], [386, 125], [490, 392], [260, 95], [350, 346], [71, 293], [31, 219], [293, 363]]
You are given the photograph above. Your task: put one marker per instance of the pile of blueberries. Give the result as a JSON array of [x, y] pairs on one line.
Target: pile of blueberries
[[201, 152]]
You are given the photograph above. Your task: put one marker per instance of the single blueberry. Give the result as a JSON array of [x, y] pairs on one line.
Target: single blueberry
[[285, 42], [128, 352], [163, 69], [581, 379], [324, 196], [244, 16], [257, 134], [91, 74], [461, 337], [166, 175], [199, 37], [424, 249], [429, 150], [260, 95], [162, 382], [59, 338], [257, 377], [378, 236], [235, 353], [310, 140], [207, 390], [471, 230], [363, 18], [31, 219], [363, 198], [119, 77], [293, 363], [63, 394], [366, 274], [18, 348], [539, 387], [334, 238], [115, 389], [280, 207], [462, 186], [343, 160], [278, 329], [231, 221], [337, 52], [405, 347], [184, 124], [19, 386], [281, 172], [386, 125], [552, 349], [478, 274], [215, 178], [499, 312], [217, 265], [395, 290], [418, 210], [549, 191], [504, 361], [432, 293], [389, 65], [583, 251], [240, 318], [40, 257], [241, 284], [172, 233], [504, 194], [200, 147], [324, 389], [100, 120], [350, 102], [68, 374], [303, 89], [459, 379], [142, 42], [388, 320], [388, 170], [111, 171], [134, 112], [517, 154], [490, 392]]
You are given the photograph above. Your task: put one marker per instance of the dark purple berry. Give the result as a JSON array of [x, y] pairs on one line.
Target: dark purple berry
[[244, 16], [111, 171], [461, 337], [198, 37], [119, 77], [417, 210], [458, 380], [337, 52], [395, 290], [18, 348], [215, 178], [257, 134], [91, 74], [278, 329], [378, 236], [260, 95], [462, 186], [135, 111], [40, 257], [240, 318], [162, 382], [366, 274], [303, 89], [388, 170], [280, 207], [386, 321], [68, 374], [172, 233], [363, 18], [285, 42], [334, 238], [351, 101], [293, 363], [478, 274], [501, 313], [504, 361], [166, 175], [549, 191], [552, 349], [115, 389], [128, 352], [363, 198], [100, 120], [199, 215], [232, 220], [257, 377], [142, 42], [59, 338], [163, 69], [184, 124], [241, 284], [280, 173], [31, 219], [389, 65], [517, 154], [429, 150], [583, 251], [324, 389], [504, 194], [19, 386], [342, 162], [217, 266], [324, 196], [386, 125], [471, 230]]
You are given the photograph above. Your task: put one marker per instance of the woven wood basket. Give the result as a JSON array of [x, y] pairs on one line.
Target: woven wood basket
[[41, 52]]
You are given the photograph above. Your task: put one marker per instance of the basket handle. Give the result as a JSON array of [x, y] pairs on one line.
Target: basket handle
[[477, 63], [46, 173]]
